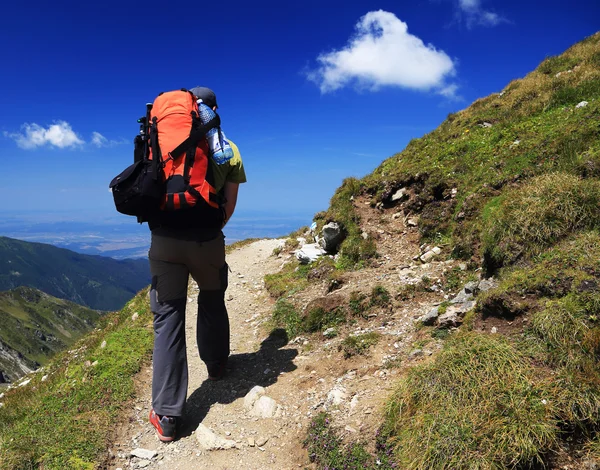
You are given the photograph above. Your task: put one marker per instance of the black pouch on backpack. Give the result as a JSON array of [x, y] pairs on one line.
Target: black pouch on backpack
[[139, 189]]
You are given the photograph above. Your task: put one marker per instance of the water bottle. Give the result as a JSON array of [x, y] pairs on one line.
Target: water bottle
[[218, 146]]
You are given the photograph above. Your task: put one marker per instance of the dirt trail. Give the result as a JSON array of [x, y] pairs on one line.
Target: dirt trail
[[255, 360], [304, 377]]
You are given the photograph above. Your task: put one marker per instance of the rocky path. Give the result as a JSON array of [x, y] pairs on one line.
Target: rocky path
[[221, 431]]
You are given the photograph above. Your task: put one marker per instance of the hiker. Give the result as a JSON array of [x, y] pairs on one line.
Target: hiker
[[175, 253]]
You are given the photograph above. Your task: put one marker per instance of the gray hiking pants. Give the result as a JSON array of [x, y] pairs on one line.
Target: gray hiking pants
[[171, 262]]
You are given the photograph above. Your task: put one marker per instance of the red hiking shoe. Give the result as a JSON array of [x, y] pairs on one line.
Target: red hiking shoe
[[164, 425]]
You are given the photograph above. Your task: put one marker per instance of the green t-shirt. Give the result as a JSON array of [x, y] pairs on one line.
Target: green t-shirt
[[232, 171]]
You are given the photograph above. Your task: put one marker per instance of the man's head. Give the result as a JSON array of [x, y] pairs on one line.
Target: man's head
[[207, 96]]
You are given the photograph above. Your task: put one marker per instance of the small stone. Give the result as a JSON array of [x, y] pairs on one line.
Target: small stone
[[261, 441], [399, 195], [144, 453], [397, 215], [143, 463], [44, 378], [251, 442], [430, 317], [265, 407], [494, 330], [330, 332], [252, 396], [583, 104], [487, 284], [135, 316], [415, 353], [336, 396], [25, 382], [350, 429], [449, 319], [208, 440], [103, 345], [412, 222], [94, 364]]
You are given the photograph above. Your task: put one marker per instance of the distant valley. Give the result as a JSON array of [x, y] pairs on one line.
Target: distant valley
[[96, 282], [34, 327]]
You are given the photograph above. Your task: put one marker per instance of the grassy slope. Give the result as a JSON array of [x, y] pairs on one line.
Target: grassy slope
[[65, 421], [37, 325], [94, 281], [525, 165]]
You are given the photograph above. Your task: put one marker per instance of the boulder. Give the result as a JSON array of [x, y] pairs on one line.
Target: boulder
[[331, 237]]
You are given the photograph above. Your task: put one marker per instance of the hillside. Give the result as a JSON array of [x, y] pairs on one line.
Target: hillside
[[97, 282], [35, 326], [455, 325]]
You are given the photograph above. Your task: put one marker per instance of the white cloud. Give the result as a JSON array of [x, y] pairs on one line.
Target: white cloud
[[98, 139], [474, 14], [383, 53], [59, 134]]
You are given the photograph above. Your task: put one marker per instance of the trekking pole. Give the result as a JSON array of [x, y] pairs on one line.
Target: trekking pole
[[144, 130]]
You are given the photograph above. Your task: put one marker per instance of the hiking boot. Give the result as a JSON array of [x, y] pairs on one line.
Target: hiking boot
[[164, 425], [216, 370]]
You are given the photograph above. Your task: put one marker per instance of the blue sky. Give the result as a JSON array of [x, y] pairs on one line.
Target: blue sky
[[311, 91]]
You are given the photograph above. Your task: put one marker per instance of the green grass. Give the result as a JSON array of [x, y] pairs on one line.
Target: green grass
[[240, 244], [537, 215], [326, 448], [290, 279], [476, 406], [66, 421], [359, 344]]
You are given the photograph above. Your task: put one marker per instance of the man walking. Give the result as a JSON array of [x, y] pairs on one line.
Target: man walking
[[175, 254]]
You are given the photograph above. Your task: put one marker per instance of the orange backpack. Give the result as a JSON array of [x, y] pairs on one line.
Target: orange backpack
[[177, 140]]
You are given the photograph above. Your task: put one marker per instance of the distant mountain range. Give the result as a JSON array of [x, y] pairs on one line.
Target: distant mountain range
[[35, 326], [96, 282]]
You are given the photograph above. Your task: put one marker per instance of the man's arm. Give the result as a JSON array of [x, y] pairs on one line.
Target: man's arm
[[230, 191]]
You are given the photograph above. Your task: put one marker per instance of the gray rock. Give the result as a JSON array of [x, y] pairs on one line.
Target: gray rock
[[487, 284], [430, 317], [583, 104], [265, 407], [330, 332], [449, 319], [144, 453], [462, 297], [208, 440], [143, 463], [336, 397], [399, 195], [332, 236], [415, 353], [252, 396], [412, 222], [261, 441], [471, 287]]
